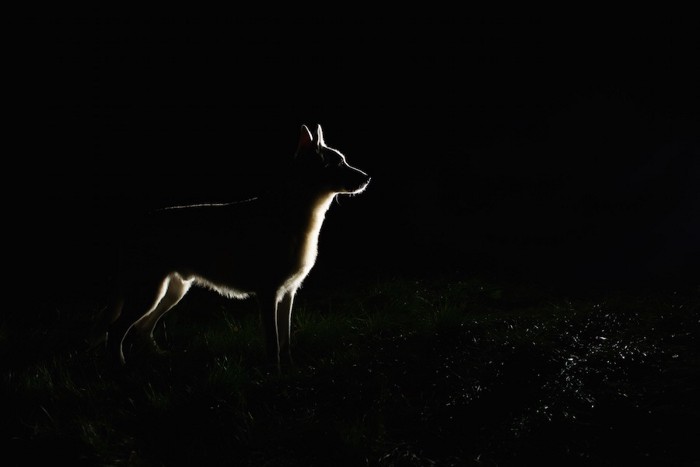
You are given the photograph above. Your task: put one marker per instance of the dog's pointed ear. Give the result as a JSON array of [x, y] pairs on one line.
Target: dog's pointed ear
[[305, 140], [319, 137]]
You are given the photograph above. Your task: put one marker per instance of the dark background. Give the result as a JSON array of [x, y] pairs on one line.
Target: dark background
[[563, 151]]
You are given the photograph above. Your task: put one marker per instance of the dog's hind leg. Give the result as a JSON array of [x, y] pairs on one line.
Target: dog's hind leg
[[140, 298], [98, 332], [176, 288]]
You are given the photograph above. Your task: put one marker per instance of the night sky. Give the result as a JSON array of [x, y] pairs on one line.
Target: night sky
[[520, 149]]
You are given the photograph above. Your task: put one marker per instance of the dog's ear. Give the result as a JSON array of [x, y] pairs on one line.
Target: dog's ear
[[305, 140], [319, 137]]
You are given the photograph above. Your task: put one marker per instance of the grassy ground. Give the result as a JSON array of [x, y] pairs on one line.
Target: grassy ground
[[390, 372]]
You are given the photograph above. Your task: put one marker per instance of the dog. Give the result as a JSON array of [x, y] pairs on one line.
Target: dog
[[263, 247]]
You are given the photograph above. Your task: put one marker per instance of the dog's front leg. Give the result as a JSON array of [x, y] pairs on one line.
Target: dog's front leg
[[284, 324], [268, 313]]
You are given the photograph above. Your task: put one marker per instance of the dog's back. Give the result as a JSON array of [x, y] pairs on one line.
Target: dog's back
[[262, 247]]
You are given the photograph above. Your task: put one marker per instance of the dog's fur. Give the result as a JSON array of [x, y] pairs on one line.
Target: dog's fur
[[264, 247]]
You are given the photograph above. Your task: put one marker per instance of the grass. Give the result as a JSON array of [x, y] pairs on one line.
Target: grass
[[414, 372]]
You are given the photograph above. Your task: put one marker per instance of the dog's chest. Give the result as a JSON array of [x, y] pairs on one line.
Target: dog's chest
[[304, 246], [305, 236]]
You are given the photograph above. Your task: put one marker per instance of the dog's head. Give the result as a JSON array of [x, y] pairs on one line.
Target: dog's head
[[326, 168]]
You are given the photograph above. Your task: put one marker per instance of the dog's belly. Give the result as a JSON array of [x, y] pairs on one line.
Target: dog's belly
[[240, 273]]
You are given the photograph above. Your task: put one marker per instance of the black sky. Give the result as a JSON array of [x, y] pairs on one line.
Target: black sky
[[523, 148]]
